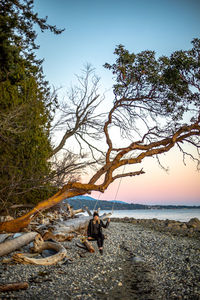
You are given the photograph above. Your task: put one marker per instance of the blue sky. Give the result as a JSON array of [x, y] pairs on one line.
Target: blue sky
[[93, 29]]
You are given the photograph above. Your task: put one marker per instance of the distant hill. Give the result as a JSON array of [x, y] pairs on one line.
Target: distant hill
[[91, 203]]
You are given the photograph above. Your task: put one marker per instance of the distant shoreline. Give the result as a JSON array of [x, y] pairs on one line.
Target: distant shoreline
[[81, 201], [177, 228]]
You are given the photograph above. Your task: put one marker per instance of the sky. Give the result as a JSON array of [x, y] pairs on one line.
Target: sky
[[92, 31]]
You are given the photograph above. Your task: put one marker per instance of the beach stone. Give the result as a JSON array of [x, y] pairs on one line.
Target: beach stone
[[137, 259], [183, 226], [194, 222]]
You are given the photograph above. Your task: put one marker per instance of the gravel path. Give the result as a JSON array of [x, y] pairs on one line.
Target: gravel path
[[137, 264]]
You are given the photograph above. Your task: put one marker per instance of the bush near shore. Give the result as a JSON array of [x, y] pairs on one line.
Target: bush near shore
[[190, 228]]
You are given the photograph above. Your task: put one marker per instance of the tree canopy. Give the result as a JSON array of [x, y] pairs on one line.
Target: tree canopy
[[159, 90]]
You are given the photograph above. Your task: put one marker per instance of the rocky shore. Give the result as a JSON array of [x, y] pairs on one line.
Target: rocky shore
[[138, 263], [177, 228]]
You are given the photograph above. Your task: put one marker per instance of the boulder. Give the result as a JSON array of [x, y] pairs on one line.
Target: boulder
[[194, 222]]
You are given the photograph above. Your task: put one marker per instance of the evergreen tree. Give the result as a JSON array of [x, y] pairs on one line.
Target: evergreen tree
[[25, 106]]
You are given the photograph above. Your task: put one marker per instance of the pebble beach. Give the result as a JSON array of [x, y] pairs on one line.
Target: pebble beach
[[137, 263]]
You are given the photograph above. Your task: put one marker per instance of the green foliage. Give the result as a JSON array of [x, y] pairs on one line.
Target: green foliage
[[25, 107], [166, 87]]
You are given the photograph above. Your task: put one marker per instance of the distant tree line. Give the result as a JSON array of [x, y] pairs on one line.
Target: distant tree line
[[109, 205]]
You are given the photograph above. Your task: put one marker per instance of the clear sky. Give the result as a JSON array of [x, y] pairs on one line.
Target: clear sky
[[93, 29]]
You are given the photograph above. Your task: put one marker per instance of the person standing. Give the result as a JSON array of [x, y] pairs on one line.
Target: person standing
[[94, 230]]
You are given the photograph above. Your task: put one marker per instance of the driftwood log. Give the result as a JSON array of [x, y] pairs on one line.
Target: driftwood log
[[57, 237], [88, 246], [14, 244], [73, 212], [39, 246], [15, 286]]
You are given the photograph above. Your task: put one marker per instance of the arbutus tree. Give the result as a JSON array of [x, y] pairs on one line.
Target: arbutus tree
[[152, 101]]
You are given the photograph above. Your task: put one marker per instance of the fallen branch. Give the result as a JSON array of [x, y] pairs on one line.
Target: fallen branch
[[15, 286]]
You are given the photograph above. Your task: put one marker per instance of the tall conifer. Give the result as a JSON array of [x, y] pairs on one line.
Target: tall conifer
[[25, 105]]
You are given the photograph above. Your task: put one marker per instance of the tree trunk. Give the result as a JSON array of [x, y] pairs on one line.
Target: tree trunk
[[14, 244], [22, 222]]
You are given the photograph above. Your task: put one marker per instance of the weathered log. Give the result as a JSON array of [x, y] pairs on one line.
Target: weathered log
[[51, 260], [15, 286], [78, 211], [14, 244], [88, 246], [59, 237], [73, 212]]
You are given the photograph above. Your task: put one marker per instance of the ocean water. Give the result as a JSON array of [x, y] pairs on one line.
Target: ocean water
[[183, 215]]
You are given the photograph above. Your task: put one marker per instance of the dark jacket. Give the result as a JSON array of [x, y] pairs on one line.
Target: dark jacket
[[96, 229]]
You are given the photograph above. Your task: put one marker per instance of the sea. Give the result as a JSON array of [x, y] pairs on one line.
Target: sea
[[183, 214]]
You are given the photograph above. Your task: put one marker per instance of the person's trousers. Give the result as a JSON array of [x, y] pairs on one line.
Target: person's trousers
[[99, 238]]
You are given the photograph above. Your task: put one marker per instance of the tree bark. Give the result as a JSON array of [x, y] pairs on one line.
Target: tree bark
[[14, 244]]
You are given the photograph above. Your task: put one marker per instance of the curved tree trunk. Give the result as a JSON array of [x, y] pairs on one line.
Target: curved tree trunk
[[22, 222]]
